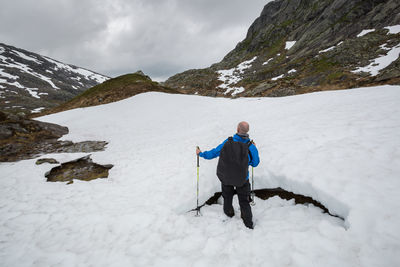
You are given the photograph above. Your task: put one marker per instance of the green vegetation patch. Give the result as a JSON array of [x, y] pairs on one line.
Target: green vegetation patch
[[117, 82]]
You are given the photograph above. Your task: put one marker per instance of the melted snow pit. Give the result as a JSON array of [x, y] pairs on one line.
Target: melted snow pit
[[267, 193], [82, 169]]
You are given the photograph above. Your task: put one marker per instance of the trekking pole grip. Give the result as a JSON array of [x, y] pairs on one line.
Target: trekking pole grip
[[198, 163]]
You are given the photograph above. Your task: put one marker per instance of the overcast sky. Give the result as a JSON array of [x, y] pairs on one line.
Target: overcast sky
[[114, 37]]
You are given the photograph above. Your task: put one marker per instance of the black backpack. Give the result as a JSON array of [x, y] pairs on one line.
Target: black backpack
[[233, 163]]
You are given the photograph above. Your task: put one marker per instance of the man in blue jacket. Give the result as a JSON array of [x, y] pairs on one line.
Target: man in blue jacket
[[243, 191]]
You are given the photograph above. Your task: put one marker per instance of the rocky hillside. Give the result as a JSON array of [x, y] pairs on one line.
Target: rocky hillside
[[112, 90], [30, 82], [300, 46]]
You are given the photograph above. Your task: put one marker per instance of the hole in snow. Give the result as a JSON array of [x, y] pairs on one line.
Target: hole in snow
[[267, 193]]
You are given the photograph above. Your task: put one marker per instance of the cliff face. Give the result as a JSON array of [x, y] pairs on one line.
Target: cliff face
[[299, 46]]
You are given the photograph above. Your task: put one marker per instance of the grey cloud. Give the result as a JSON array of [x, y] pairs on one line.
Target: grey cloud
[[114, 37]]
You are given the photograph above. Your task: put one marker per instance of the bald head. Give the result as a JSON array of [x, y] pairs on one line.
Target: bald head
[[243, 127]]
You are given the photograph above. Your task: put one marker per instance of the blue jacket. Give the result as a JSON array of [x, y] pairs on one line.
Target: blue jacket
[[254, 160]]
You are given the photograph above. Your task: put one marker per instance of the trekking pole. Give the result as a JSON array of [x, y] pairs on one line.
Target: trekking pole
[[252, 187], [197, 204]]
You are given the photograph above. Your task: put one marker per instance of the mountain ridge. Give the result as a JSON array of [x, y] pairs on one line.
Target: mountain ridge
[[300, 46], [30, 82]]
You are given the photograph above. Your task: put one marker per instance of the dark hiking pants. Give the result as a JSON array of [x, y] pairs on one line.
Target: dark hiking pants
[[243, 193]]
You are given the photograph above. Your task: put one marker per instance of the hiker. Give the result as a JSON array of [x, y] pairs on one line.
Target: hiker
[[236, 154]]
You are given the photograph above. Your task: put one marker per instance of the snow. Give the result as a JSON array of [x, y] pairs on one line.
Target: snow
[[381, 62], [11, 63], [289, 44], [364, 32], [326, 50], [37, 110], [277, 77], [292, 71], [89, 75], [7, 75], [266, 62], [32, 92], [395, 29], [26, 57], [339, 147], [232, 76]]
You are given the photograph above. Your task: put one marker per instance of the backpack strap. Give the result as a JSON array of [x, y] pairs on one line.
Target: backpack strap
[[248, 145]]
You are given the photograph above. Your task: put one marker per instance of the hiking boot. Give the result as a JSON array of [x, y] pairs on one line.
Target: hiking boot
[[230, 213], [249, 225]]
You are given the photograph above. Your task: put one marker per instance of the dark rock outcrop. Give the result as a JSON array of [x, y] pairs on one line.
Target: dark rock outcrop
[[46, 160], [82, 169], [22, 138]]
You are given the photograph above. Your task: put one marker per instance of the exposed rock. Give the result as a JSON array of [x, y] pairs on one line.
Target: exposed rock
[[281, 91], [22, 138], [46, 160], [142, 74], [82, 169], [262, 87]]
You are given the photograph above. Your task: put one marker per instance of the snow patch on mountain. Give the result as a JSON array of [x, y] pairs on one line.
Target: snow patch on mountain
[[86, 73], [232, 76], [395, 29], [364, 32], [289, 44], [381, 62], [268, 60], [11, 63], [25, 73], [22, 55], [277, 77]]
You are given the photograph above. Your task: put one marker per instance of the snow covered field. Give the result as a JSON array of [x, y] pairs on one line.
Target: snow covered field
[[340, 147]]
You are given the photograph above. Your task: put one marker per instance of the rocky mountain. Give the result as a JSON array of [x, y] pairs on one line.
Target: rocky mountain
[[30, 82], [300, 46]]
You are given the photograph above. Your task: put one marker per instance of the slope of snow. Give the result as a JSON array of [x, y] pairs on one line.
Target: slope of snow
[[340, 147]]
